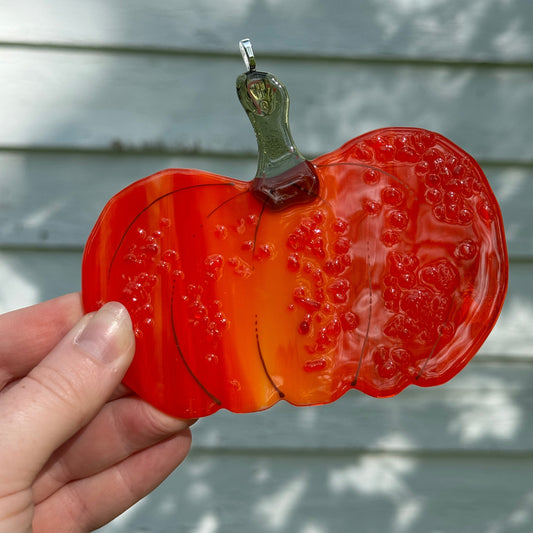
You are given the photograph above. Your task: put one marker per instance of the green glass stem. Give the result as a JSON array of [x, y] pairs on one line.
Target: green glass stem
[[283, 176]]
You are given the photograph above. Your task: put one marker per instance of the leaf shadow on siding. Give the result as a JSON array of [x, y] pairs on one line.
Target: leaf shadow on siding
[[126, 105], [454, 459]]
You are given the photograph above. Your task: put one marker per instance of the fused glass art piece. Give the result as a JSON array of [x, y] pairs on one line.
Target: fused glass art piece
[[376, 266]]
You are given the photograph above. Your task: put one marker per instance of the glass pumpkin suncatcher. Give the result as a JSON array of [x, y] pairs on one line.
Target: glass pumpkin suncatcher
[[376, 266]]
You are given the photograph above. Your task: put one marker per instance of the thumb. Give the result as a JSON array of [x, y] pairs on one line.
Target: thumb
[[63, 393]]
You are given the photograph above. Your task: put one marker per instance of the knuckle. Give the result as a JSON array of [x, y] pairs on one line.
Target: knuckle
[[61, 390], [79, 512], [160, 424]]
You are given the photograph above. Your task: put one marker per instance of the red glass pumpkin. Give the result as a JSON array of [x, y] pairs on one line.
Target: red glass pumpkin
[[379, 265]]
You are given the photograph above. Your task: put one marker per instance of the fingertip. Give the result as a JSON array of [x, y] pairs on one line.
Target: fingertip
[[107, 335]]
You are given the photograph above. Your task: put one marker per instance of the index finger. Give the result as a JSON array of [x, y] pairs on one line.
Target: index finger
[[27, 335]]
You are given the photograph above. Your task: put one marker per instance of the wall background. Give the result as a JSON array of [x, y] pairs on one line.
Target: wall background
[[94, 95]]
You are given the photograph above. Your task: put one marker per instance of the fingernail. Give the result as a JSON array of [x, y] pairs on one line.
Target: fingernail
[[108, 334]]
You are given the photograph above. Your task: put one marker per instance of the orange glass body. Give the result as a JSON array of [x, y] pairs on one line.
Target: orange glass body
[[394, 274]]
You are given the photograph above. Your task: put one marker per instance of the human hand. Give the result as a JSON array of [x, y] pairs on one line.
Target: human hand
[[76, 449]]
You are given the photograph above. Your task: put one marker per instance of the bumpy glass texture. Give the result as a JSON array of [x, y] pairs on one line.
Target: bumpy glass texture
[[393, 275]]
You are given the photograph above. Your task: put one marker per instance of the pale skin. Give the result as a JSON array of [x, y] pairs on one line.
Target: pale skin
[[77, 448]]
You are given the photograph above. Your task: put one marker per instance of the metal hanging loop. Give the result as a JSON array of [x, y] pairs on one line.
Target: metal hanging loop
[[247, 53]]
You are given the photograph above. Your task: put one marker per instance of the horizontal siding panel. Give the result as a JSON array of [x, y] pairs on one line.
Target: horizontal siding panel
[[321, 493], [486, 408], [488, 30], [51, 199], [98, 100], [30, 276]]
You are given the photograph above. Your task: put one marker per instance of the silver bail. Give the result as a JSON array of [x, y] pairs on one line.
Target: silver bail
[[247, 53]]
